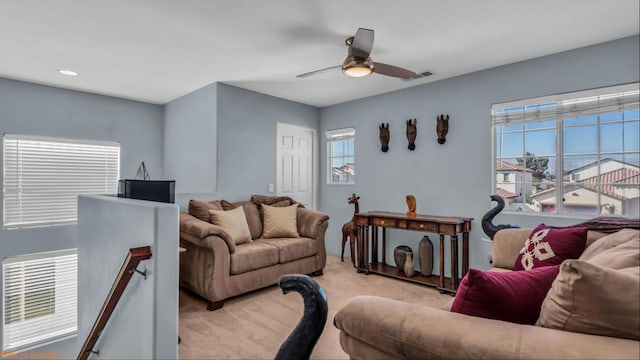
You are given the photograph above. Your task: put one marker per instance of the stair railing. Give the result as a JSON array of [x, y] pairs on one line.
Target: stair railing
[[129, 267]]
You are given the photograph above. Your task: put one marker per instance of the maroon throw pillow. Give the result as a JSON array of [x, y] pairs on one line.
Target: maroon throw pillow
[[547, 245], [514, 296]]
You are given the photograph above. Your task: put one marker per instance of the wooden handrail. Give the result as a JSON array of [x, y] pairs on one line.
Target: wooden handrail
[[127, 270]]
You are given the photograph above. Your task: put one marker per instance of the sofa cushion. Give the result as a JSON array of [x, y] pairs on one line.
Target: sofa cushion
[[200, 209], [547, 245], [594, 299], [280, 221], [290, 249], [252, 256], [514, 296], [234, 223], [616, 251], [252, 214]]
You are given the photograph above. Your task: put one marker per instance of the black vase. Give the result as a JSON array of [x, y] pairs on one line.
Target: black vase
[[399, 255]]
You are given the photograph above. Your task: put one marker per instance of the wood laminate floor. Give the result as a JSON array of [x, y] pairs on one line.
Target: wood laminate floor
[[254, 325]]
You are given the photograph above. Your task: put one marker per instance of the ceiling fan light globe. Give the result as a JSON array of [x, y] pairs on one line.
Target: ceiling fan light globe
[[357, 71], [356, 67]]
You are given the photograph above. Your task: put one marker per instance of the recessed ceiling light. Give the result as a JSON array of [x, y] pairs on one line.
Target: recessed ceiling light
[[67, 72]]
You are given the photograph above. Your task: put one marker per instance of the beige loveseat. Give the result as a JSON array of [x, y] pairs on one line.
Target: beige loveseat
[[214, 267], [380, 328]]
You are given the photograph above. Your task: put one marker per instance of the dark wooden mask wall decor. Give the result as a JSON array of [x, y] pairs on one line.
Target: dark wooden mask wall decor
[[384, 137], [412, 132], [442, 127]]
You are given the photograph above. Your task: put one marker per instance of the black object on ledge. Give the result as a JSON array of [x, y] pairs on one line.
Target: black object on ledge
[[151, 190], [487, 220]]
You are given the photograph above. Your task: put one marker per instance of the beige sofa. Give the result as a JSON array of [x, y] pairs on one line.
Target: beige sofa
[[214, 267], [377, 328]]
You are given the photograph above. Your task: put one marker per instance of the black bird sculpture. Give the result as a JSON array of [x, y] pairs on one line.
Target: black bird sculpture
[[487, 220], [304, 337]]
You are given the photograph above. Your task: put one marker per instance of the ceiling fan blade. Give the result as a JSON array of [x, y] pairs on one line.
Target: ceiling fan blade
[[362, 43], [394, 71], [315, 72]]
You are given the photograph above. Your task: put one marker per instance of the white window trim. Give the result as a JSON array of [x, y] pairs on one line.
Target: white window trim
[[333, 135]]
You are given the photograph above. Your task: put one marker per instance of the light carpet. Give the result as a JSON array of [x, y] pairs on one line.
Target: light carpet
[[254, 325]]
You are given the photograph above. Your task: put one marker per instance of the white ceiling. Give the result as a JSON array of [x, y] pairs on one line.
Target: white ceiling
[[159, 50]]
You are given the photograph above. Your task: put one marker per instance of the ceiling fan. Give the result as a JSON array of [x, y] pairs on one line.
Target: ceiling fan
[[359, 64]]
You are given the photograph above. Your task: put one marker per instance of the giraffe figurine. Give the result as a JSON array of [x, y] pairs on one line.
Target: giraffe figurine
[[350, 230]]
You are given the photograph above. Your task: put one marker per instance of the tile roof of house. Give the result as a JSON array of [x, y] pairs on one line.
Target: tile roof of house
[[505, 194], [503, 165], [602, 161], [607, 182], [609, 179]]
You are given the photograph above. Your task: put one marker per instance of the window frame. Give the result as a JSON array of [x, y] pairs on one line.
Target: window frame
[[64, 317], [332, 136], [560, 184], [102, 153]]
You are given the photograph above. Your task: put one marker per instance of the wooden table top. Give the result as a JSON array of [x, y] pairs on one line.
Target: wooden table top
[[418, 217]]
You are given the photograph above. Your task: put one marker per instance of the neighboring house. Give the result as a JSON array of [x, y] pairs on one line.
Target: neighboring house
[[614, 191], [590, 170], [344, 173], [510, 180]]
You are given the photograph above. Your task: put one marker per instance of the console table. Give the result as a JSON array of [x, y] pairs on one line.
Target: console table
[[367, 253]]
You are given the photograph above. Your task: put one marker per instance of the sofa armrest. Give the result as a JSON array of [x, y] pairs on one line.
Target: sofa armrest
[[507, 244], [413, 331], [309, 222], [201, 229]]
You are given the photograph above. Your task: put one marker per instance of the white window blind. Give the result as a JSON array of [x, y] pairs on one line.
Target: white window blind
[[43, 176], [39, 301], [602, 100]]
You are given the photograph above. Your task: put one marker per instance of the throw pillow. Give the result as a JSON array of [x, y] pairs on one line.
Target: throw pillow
[[616, 251], [252, 214], [514, 296], [280, 221], [594, 299], [547, 245], [200, 209], [234, 223]]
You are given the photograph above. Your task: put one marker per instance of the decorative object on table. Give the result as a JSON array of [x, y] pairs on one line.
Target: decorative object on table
[[409, 269], [411, 204], [412, 132], [304, 337], [350, 230], [142, 173], [399, 256], [425, 256], [384, 137], [442, 128], [487, 220], [151, 190]]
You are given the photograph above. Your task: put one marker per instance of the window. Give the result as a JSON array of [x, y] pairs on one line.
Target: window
[[341, 156], [39, 298], [43, 176], [575, 153]]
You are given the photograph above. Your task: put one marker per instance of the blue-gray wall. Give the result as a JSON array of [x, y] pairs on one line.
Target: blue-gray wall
[[144, 325], [246, 139], [190, 147], [47, 111], [454, 178]]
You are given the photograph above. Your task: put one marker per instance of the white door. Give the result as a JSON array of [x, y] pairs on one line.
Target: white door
[[296, 163]]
